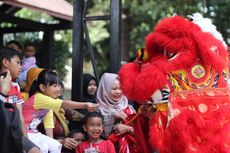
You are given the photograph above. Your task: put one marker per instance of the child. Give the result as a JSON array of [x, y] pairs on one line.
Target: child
[[45, 99], [89, 88], [28, 62], [78, 135], [89, 94], [10, 133], [10, 63], [94, 127]]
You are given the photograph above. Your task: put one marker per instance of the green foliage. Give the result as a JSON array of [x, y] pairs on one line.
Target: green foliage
[[144, 15], [35, 16], [219, 12], [61, 54]]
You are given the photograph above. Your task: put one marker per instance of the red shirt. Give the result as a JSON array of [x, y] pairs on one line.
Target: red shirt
[[14, 95], [105, 146]]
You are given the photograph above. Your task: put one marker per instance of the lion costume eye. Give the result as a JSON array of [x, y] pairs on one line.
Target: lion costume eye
[[189, 17], [142, 55]]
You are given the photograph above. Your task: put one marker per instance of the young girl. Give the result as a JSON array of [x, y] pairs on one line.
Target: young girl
[[45, 98], [89, 95], [89, 88], [94, 127]]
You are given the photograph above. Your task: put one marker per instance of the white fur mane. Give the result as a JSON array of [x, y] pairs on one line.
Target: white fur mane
[[206, 26]]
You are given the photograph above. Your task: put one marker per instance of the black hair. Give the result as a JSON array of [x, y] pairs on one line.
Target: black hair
[[30, 44], [17, 43], [71, 133], [92, 114], [7, 53], [62, 85], [47, 78], [86, 79]]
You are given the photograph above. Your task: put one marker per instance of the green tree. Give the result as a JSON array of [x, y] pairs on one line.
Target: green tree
[[140, 16]]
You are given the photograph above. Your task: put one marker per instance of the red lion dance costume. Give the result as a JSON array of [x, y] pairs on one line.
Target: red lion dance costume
[[180, 78]]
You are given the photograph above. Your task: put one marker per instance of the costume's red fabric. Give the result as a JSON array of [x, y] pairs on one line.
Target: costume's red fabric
[[181, 80], [126, 142]]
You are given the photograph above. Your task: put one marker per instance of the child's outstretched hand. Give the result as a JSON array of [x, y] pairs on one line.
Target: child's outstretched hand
[[91, 107]]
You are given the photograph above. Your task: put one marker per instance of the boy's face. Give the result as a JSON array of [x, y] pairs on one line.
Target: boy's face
[[30, 51], [14, 66]]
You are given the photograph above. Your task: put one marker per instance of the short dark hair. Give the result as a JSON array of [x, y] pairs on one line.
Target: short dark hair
[[17, 43], [30, 44], [7, 53], [71, 133], [92, 114]]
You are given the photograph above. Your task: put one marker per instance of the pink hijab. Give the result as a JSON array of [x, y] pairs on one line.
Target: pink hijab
[[107, 106]]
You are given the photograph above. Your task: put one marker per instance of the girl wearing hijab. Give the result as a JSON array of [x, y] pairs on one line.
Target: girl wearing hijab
[[89, 95], [117, 113], [89, 88]]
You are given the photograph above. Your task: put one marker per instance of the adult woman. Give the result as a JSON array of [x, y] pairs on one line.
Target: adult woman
[[117, 113]]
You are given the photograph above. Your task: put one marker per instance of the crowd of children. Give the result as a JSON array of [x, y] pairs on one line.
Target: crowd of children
[[104, 112]]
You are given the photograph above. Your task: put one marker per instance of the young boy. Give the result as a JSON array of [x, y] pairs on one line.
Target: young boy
[[10, 63]]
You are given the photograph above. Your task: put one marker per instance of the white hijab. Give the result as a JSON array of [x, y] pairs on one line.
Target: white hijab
[[106, 105]]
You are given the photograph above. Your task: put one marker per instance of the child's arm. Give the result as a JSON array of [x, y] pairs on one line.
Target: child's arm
[[67, 104], [49, 132], [48, 123]]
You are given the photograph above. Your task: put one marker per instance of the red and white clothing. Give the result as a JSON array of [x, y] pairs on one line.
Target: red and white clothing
[[14, 95], [35, 110], [105, 146]]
